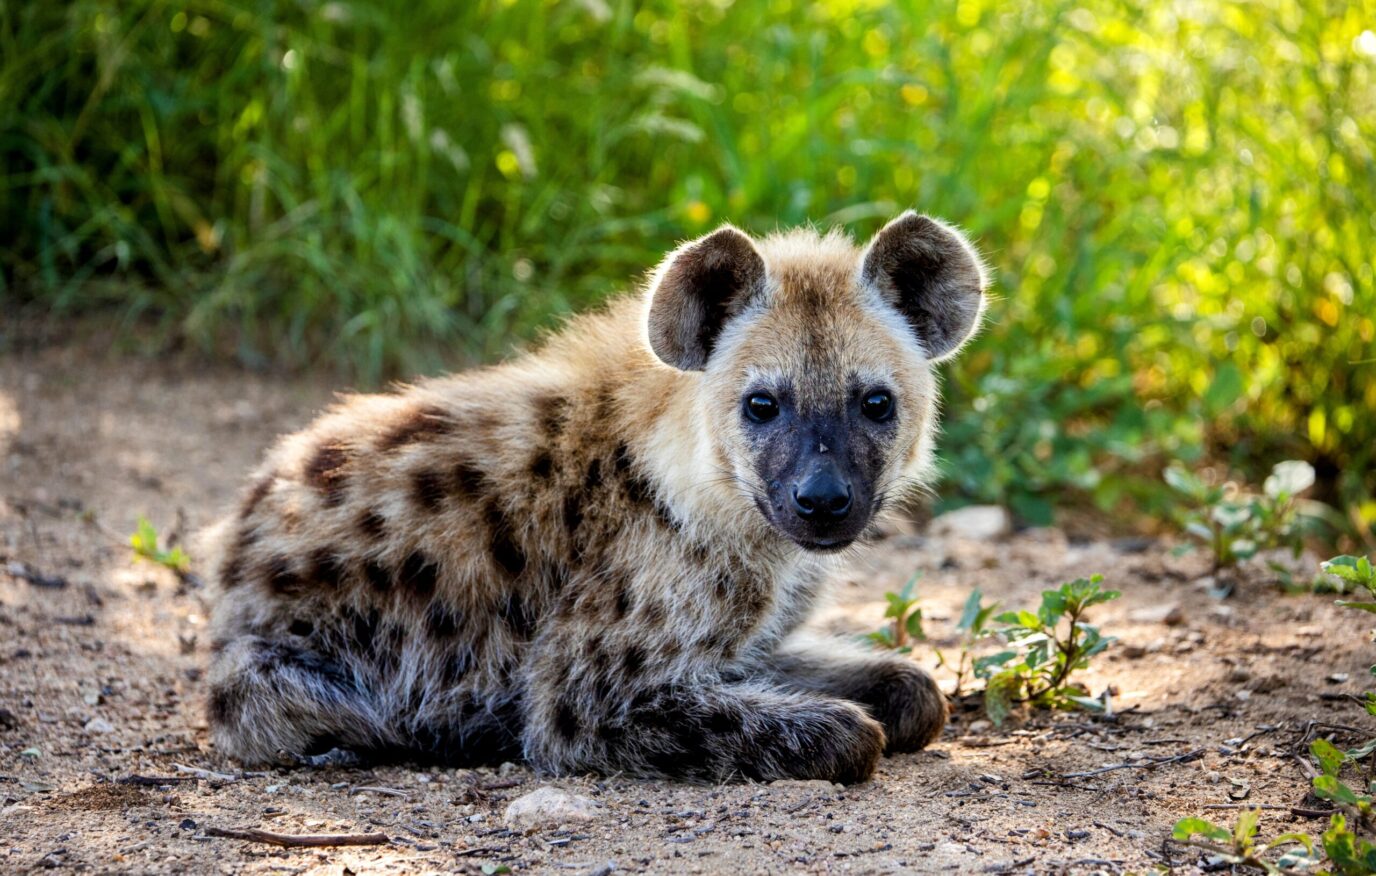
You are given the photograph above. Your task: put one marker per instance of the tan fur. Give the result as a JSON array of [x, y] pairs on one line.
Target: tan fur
[[564, 557]]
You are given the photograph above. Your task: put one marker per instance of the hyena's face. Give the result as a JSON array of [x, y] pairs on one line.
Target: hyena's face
[[816, 362]]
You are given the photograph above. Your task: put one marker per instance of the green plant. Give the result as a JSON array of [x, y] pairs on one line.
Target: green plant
[[1344, 853], [1352, 573], [1235, 526], [1237, 845], [1328, 786], [1047, 647], [144, 541], [972, 626], [905, 619]]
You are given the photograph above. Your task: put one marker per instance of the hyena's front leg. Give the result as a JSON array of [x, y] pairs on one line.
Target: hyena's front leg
[[897, 692], [700, 731]]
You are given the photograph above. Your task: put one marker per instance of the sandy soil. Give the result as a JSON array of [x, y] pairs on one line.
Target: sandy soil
[[101, 659]]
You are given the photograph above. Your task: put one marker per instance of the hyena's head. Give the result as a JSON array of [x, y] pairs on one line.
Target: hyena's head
[[815, 362]]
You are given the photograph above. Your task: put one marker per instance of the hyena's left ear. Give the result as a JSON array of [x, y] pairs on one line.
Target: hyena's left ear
[[932, 275], [697, 289]]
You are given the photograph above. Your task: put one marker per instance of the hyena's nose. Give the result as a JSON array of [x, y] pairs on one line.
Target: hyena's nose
[[822, 497]]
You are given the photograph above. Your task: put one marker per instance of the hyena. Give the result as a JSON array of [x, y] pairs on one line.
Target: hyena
[[598, 556]]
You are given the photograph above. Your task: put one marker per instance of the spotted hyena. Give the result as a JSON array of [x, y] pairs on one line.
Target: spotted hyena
[[598, 556]]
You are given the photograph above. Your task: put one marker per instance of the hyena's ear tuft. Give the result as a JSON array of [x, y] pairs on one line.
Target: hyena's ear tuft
[[932, 275], [698, 288]]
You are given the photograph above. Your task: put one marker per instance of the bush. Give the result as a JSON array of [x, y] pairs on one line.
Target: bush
[[1178, 200]]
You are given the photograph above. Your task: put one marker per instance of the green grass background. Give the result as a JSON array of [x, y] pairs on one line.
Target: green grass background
[[1179, 198]]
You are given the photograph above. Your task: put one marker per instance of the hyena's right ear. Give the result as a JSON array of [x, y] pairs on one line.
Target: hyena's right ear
[[932, 275], [696, 290]]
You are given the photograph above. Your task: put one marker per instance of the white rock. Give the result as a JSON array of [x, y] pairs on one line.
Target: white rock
[[549, 807], [1169, 613], [99, 725], [805, 785], [974, 522]]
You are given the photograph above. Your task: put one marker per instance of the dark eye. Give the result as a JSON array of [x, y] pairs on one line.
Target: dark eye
[[761, 407], [878, 406]]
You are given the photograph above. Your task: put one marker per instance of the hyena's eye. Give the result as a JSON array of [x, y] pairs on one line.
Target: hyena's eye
[[761, 407], [878, 405]]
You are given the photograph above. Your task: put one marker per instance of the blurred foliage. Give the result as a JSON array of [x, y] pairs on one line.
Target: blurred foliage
[[1179, 198]]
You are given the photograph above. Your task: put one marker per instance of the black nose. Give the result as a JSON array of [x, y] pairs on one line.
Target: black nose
[[822, 497]]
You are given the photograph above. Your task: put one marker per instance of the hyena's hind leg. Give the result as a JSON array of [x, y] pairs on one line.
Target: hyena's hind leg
[[273, 702], [897, 692]]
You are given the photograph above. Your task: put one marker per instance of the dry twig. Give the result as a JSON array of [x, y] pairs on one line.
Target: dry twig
[[255, 835]]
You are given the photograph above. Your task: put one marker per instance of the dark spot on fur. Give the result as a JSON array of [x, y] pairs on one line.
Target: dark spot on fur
[[456, 666], [622, 603], [255, 497], [722, 585], [427, 488], [371, 524], [593, 479], [541, 465], [325, 471], [566, 720], [516, 613], [633, 659], [621, 459], [467, 480], [550, 411], [301, 627], [505, 551], [282, 578], [363, 627], [417, 424], [419, 575], [573, 512], [325, 568], [653, 613], [441, 620], [224, 705], [378, 577]]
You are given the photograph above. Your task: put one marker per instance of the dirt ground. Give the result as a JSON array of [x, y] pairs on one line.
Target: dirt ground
[[101, 661]]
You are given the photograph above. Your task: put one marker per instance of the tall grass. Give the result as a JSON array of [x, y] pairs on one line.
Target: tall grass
[[1179, 198]]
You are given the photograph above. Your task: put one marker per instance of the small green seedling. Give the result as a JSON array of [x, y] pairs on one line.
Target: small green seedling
[[1327, 785], [905, 619], [1046, 648], [973, 627], [1353, 573], [144, 541], [1235, 526], [1238, 845]]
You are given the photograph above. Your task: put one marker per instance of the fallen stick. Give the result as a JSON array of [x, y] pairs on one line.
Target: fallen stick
[[206, 775], [154, 781], [1144, 765], [255, 835]]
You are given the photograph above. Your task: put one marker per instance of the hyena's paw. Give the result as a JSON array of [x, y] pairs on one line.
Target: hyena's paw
[[906, 700], [831, 739]]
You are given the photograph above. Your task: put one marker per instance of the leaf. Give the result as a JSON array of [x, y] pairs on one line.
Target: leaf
[[1329, 757], [914, 625], [970, 615], [1187, 828], [984, 666], [1361, 606], [1328, 787], [1246, 826], [999, 694], [1092, 704], [1183, 481]]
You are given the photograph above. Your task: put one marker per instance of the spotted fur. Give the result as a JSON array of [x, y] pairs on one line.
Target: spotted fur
[[571, 557]]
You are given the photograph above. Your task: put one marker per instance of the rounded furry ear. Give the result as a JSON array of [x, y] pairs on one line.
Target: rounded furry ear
[[696, 290], [932, 275]]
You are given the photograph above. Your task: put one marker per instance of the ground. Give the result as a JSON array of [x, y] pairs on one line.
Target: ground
[[101, 660]]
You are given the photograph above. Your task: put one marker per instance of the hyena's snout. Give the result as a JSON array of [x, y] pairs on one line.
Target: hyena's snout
[[823, 495]]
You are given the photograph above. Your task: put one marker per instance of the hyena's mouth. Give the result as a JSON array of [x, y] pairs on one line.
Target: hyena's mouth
[[807, 537]]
